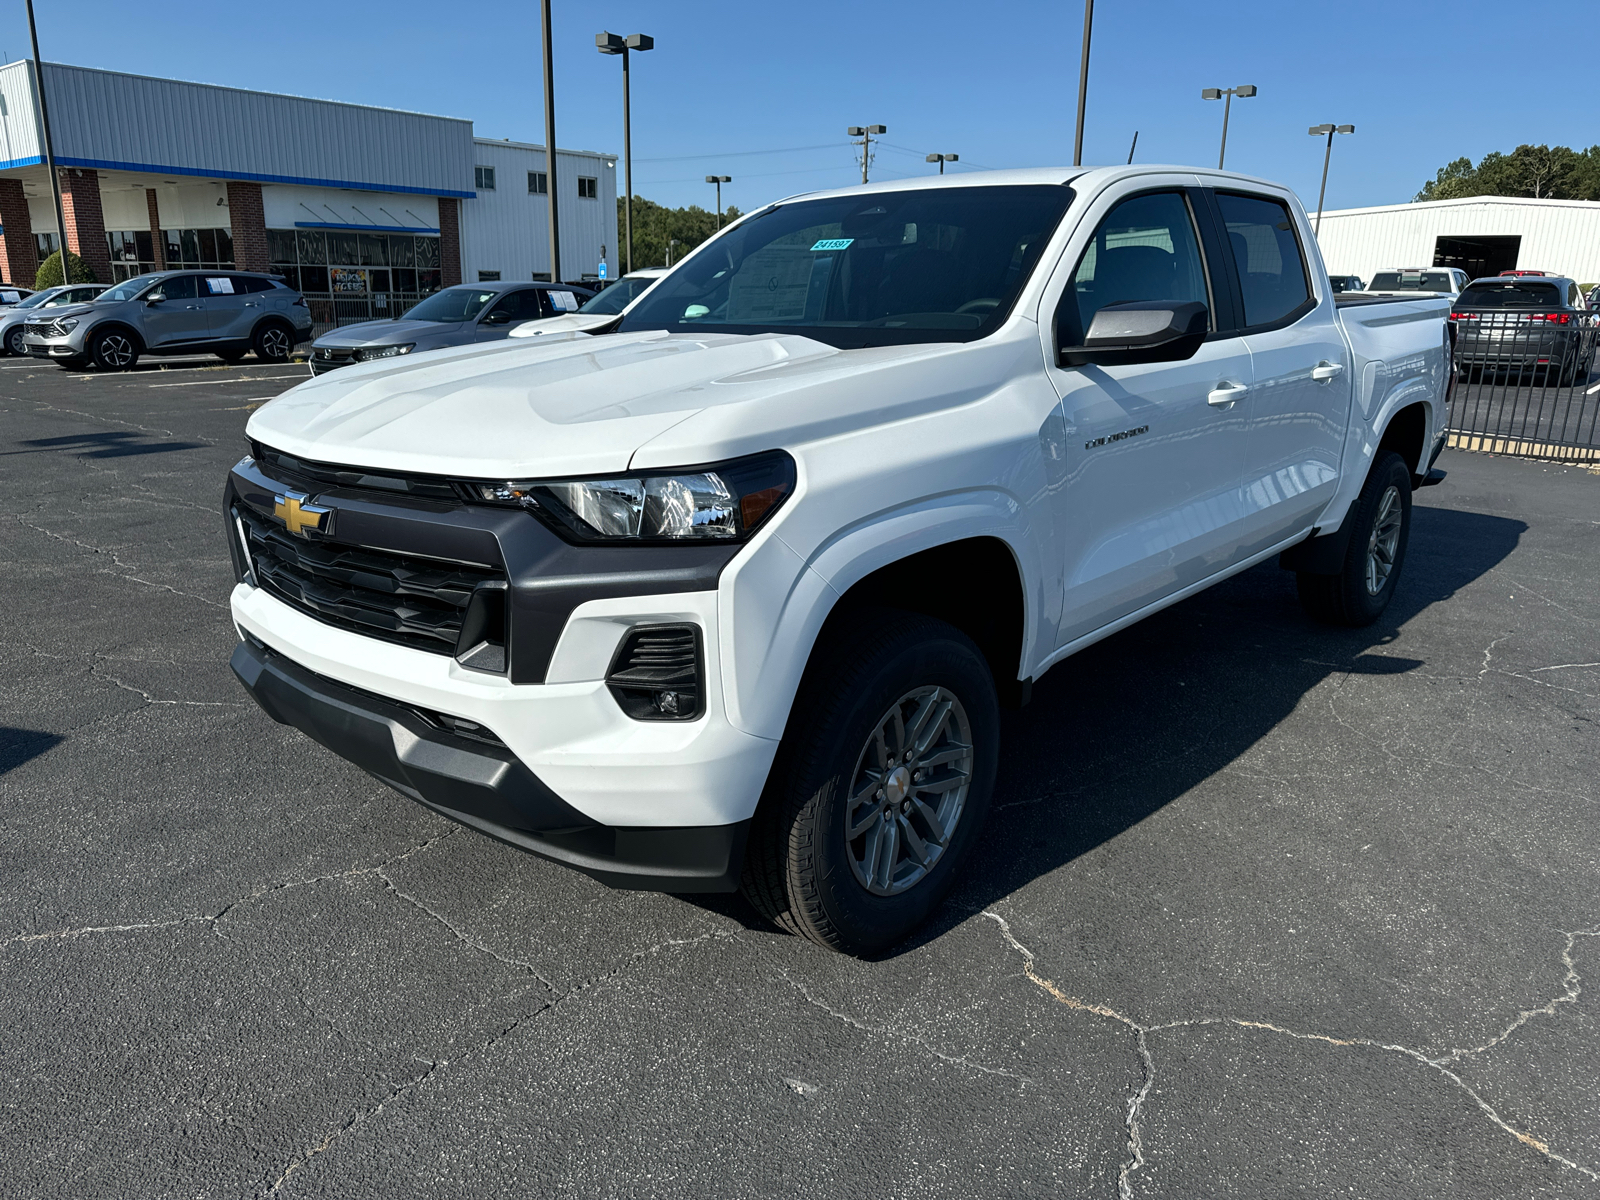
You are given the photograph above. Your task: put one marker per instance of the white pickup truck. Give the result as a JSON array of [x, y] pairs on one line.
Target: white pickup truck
[[730, 595]]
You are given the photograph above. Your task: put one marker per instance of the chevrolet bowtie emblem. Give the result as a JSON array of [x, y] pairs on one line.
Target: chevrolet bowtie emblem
[[298, 516]]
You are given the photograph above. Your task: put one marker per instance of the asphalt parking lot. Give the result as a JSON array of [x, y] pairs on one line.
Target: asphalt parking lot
[[1264, 909]]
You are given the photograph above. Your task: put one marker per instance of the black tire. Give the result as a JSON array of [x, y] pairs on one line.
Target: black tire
[[113, 350], [801, 869], [1349, 598], [273, 342], [15, 346]]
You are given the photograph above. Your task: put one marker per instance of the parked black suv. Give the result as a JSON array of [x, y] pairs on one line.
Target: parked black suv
[[1519, 324]]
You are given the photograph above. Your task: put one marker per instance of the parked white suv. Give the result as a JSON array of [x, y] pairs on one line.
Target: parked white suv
[[732, 595]]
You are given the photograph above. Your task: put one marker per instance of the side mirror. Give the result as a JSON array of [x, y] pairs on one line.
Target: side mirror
[[156, 299], [1140, 331], [498, 318]]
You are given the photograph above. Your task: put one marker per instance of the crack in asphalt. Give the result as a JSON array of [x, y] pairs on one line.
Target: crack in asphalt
[[116, 561], [886, 1032], [1571, 986]]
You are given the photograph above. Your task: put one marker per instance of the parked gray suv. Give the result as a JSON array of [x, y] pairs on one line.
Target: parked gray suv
[[15, 316], [226, 313]]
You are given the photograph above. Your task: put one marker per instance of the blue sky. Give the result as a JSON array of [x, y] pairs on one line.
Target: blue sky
[[994, 82]]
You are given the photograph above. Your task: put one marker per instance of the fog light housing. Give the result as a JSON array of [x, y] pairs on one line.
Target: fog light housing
[[657, 674]]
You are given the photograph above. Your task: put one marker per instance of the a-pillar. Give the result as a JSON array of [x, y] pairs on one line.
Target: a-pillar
[[19, 256], [157, 242], [449, 241], [86, 224], [249, 222]]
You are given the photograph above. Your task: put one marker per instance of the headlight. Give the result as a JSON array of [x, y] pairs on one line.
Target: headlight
[[724, 502], [372, 352], [67, 324]]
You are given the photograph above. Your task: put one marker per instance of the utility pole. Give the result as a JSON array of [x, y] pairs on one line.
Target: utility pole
[[550, 142], [1318, 131], [49, 146], [610, 43], [866, 133], [1133, 147], [719, 180], [1083, 82], [1244, 92], [941, 159]]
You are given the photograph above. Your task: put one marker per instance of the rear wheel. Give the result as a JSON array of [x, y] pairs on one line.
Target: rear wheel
[[880, 786], [113, 350], [1380, 527], [14, 344], [273, 343]]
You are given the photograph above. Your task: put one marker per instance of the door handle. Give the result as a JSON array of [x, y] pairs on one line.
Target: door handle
[[1225, 394], [1326, 370], [251, 304]]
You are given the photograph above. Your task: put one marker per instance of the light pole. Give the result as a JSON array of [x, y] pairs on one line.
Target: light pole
[[941, 159], [1318, 131], [866, 133], [610, 43], [719, 180], [550, 142], [1083, 83], [49, 148], [1244, 93]]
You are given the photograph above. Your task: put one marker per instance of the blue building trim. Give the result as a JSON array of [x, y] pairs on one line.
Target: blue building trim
[[99, 164], [35, 161], [364, 228]]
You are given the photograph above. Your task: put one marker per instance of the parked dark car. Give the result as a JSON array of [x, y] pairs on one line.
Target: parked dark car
[[457, 316], [1520, 324], [1346, 283]]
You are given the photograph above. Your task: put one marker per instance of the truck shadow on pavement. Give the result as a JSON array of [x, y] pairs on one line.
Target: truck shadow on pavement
[[1120, 730], [112, 444]]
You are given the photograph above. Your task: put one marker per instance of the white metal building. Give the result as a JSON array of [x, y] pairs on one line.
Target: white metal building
[[361, 208], [1483, 235]]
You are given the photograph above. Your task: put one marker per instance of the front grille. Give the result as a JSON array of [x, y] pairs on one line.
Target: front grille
[[655, 675], [318, 476], [415, 601], [43, 329], [327, 358]]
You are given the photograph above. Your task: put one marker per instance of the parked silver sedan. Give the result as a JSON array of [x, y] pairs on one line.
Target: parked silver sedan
[[457, 316], [14, 316]]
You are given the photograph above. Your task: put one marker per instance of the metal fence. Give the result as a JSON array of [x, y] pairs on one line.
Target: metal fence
[[331, 311], [1526, 385]]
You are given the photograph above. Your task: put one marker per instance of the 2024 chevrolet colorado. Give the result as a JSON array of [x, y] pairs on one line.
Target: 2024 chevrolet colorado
[[731, 594]]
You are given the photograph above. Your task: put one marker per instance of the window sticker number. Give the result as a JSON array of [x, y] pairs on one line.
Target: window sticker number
[[832, 243]]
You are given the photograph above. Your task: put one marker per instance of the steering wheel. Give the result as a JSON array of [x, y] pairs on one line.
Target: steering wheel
[[983, 304]]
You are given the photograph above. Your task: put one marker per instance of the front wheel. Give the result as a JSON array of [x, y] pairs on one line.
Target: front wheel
[[273, 343], [15, 346], [113, 351], [1380, 528], [880, 786]]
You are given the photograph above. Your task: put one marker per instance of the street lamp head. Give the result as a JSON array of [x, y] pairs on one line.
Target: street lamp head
[[877, 129], [855, 131], [1346, 129], [641, 41], [934, 158], [608, 43], [1247, 90], [719, 178], [1320, 130], [1211, 94]]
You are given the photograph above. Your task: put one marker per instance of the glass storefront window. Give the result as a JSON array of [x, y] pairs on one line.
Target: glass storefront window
[[280, 245], [183, 247], [189, 243], [374, 250], [342, 248], [427, 252], [402, 250], [313, 247], [353, 276]]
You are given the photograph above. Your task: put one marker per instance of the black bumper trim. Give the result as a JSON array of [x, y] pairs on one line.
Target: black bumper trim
[[484, 787]]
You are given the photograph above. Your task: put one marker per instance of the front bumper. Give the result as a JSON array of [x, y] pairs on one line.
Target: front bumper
[[483, 785], [60, 349]]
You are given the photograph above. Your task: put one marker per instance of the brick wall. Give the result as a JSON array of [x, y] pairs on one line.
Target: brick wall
[[159, 242], [19, 260], [249, 222], [86, 224], [450, 240]]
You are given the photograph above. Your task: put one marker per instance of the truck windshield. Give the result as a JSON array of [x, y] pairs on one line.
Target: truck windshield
[[1411, 281], [1510, 294], [929, 265], [452, 304]]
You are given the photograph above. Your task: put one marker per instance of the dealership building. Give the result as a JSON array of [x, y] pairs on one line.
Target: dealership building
[[363, 209], [1483, 235]]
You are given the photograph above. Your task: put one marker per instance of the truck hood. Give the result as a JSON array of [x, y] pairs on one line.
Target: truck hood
[[571, 404], [387, 333], [563, 324]]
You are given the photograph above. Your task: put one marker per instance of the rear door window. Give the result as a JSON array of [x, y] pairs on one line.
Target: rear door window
[[1513, 293], [1271, 266]]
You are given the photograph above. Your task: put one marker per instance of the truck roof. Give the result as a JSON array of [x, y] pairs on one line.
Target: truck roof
[[1089, 177]]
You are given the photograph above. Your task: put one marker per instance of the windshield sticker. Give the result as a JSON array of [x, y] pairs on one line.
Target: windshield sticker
[[832, 243], [221, 286]]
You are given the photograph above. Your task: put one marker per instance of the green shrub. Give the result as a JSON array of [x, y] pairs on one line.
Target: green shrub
[[50, 271]]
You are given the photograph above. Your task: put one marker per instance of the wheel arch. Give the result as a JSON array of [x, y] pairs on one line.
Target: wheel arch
[[114, 326], [1406, 433]]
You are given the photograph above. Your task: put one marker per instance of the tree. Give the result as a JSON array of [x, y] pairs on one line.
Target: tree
[[1540, 172], [50, 272], [654, 226]]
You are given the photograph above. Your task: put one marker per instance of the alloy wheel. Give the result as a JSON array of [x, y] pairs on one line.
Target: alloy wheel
[[908, 790], [1384, 540], [115, 351], [275, 343], [16, 345]]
